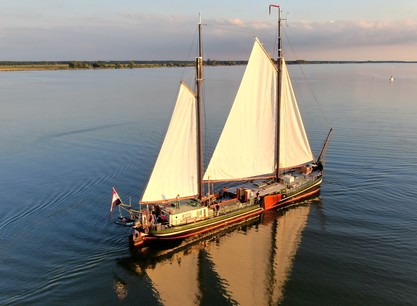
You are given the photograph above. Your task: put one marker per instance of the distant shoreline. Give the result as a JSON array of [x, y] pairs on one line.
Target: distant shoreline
[[82, 65]]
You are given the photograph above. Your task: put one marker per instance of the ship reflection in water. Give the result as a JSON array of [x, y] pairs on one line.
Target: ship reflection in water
[[247, 266]]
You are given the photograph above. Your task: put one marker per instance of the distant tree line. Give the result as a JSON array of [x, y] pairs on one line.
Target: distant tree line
[[20, 65], [119, 64], [146, 64]]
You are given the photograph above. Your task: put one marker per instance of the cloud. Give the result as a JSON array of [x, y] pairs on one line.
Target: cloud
[[236, 22], [347, 39], [140, 36], [355, 33]]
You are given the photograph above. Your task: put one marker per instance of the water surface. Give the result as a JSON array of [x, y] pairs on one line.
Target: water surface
[[67, 137]]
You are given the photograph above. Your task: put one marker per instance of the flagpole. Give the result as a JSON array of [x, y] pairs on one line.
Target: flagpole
[[111, 205], [115, 201]]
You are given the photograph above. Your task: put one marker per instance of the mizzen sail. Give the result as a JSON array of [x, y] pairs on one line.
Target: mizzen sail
[[175, 171], [294, 145]]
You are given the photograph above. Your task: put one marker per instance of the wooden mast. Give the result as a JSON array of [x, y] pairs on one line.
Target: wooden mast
[[199, 80], [279, 69]]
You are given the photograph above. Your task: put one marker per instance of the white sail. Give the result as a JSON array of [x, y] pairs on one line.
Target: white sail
[[175, 171], [246, 147], [294, 146]]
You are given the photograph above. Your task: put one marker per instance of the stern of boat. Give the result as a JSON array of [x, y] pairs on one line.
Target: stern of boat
[[309, 188], [271, 201]]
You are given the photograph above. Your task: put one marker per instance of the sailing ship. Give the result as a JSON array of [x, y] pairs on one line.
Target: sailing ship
[[181, 202]]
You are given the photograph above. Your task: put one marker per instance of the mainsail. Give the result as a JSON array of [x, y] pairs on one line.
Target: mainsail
[[175, 171], [247, 145]]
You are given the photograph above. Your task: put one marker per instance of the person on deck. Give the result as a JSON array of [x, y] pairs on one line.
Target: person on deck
[[224, 192]]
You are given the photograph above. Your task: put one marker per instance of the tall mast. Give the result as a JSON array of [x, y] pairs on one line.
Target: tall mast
[[279, 69], [199, 80]]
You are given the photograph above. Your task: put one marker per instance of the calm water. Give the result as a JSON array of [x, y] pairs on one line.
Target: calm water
[[67, 137]]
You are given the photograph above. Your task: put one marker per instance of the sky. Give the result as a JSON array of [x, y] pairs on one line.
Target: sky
[[53, 30]]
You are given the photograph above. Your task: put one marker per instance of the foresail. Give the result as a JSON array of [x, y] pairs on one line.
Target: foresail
[[294, 145], [247, 144], [175, 170]]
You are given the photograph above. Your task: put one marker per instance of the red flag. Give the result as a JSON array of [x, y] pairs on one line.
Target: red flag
[[115, 200]]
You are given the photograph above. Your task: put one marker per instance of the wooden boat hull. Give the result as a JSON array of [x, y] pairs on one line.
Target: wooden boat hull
[[200, 229], [192, 231]]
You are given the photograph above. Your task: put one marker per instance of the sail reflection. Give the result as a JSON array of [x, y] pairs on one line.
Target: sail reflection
[[287, 240], [176, 281], [248, 266], [263, 260]]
